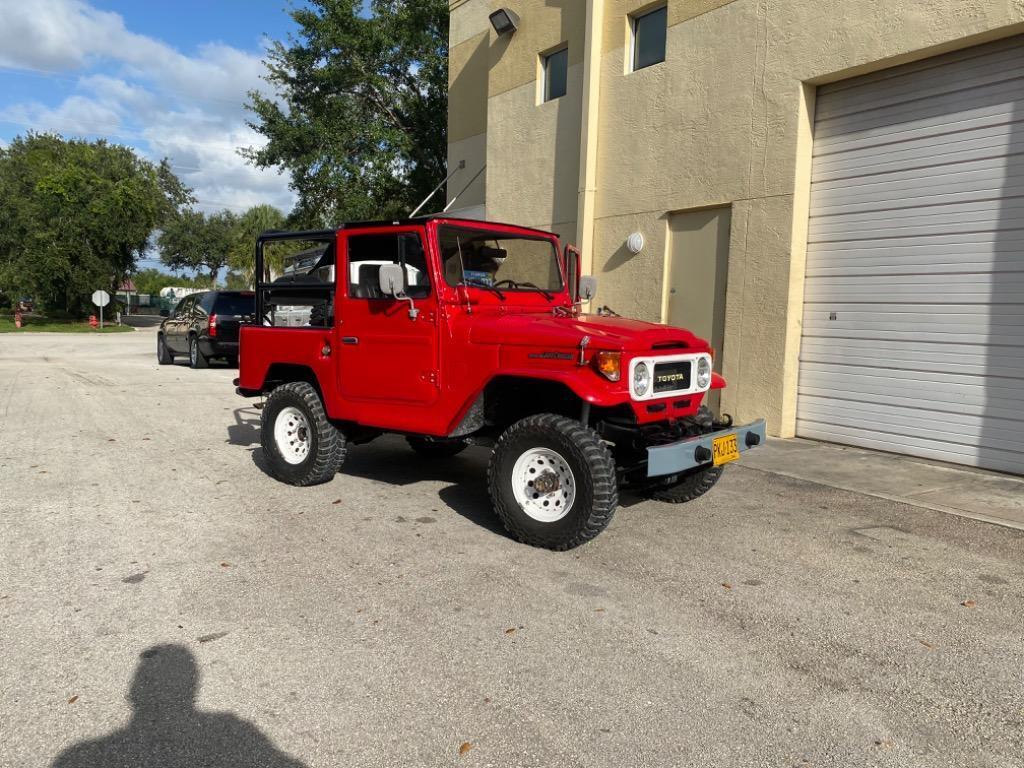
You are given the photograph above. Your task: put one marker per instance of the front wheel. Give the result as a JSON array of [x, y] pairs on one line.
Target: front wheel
[[301, 445], [164, 356], [552, 482], [681, 489]]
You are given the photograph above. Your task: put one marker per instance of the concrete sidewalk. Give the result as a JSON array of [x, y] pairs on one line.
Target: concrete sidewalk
[[964, 491]]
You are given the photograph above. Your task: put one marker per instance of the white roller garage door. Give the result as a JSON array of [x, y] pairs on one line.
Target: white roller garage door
[[913, 335]]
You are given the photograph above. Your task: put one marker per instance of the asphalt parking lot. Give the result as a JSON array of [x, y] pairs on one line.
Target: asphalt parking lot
[[165, 602]]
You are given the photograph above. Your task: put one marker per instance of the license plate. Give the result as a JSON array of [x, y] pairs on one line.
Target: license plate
[[724, 449]]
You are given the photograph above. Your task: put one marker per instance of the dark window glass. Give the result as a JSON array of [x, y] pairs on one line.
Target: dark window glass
[[235, 304], [366, 255], [556, 72], [303, 295], [483, 258], [649, 32]]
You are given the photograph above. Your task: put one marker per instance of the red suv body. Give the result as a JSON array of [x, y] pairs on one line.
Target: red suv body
[[453, 332]]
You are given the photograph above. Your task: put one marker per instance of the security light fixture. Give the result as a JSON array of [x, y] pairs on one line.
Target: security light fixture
[[504, 21]]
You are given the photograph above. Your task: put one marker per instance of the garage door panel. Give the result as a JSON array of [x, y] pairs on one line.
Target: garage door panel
[[914, 85], [983, 216], [1004, 461], [957, 146], [913, 324], [938, 361], [944, 110], [965, 287], [892, 137], [838, 400], [945, 388], [959, 428], [1000, 239], [913, 194], [866, 262]]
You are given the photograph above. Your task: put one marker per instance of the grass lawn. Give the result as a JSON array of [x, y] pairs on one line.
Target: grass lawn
[[46, 326]]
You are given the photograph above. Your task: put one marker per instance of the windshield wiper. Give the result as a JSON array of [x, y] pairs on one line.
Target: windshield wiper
[[513, 284], [546, 294], [482, 284]]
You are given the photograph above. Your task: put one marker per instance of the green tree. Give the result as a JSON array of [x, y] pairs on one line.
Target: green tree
[[76, 215], [249, 226], [360, 116], [195, 241], [152, 281]]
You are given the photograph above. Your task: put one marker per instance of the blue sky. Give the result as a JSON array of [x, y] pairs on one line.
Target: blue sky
[[168, 78]]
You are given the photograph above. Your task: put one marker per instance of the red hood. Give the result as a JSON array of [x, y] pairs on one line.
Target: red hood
[[551, 331]]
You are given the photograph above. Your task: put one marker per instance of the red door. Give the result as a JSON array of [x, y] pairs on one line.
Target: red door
[[386, 355]]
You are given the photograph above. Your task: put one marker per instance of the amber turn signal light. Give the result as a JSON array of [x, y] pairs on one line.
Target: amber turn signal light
[[610, 364]]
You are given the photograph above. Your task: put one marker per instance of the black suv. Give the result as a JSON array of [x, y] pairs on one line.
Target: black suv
[[205, 325]]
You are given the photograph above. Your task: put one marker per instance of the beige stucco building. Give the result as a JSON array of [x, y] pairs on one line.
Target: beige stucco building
[[720, 157]]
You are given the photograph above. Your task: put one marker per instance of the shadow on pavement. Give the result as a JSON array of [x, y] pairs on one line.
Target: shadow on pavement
[[246, 429], [389, 460], [167, 730]]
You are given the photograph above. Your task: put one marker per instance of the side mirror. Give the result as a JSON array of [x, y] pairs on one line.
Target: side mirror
[[392, 283], [392, 280], [588, 287], [165, 313]]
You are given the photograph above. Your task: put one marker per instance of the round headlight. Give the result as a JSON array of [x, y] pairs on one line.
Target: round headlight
[[641, 379], [703, 373]]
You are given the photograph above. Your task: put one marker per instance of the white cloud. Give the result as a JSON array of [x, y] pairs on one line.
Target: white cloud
[[188, 108]]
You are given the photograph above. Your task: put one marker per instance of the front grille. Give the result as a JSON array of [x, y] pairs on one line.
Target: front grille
[[671, 377]]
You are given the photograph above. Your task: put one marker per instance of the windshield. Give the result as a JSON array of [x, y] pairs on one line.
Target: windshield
[[498, 260]]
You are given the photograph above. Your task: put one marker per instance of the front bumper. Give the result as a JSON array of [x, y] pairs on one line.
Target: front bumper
[[695, 452]]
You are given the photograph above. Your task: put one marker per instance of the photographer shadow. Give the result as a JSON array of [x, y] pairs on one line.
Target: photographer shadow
[[167, 730]]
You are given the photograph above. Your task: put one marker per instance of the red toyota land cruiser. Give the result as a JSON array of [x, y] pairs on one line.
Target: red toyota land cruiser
[[455, 332]]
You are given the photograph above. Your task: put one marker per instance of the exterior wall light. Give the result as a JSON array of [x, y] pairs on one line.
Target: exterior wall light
[[635, 242], [504, 21]]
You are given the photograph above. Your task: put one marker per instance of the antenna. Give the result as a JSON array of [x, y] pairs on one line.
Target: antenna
[[477, 176], [462, 265], [434, 191]]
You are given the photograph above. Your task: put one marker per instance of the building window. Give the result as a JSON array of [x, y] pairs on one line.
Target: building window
[[649, 32], [556, 73]]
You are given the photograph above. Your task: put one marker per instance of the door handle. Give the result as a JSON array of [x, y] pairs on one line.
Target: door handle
[[349, 340]]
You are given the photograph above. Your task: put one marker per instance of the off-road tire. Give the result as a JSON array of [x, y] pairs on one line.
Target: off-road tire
[[593, 469], [196, 358], [327, 443], [431, 449], [164, 356], [686, 488]]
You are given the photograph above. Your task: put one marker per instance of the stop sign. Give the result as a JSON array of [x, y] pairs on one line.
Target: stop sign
[[101, 298]]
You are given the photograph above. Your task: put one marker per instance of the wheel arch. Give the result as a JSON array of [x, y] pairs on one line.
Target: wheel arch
[[509, 397], [286, 373]]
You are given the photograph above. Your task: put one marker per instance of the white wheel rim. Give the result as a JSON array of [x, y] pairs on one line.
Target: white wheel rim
[[543, 485], [193, 351], [291, 434]]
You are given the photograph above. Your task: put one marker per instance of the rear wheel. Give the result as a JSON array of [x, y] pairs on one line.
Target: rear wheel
[[437, 449], [164, 356], [680, 489], [552, 482], [196, 359], [300, 444]]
